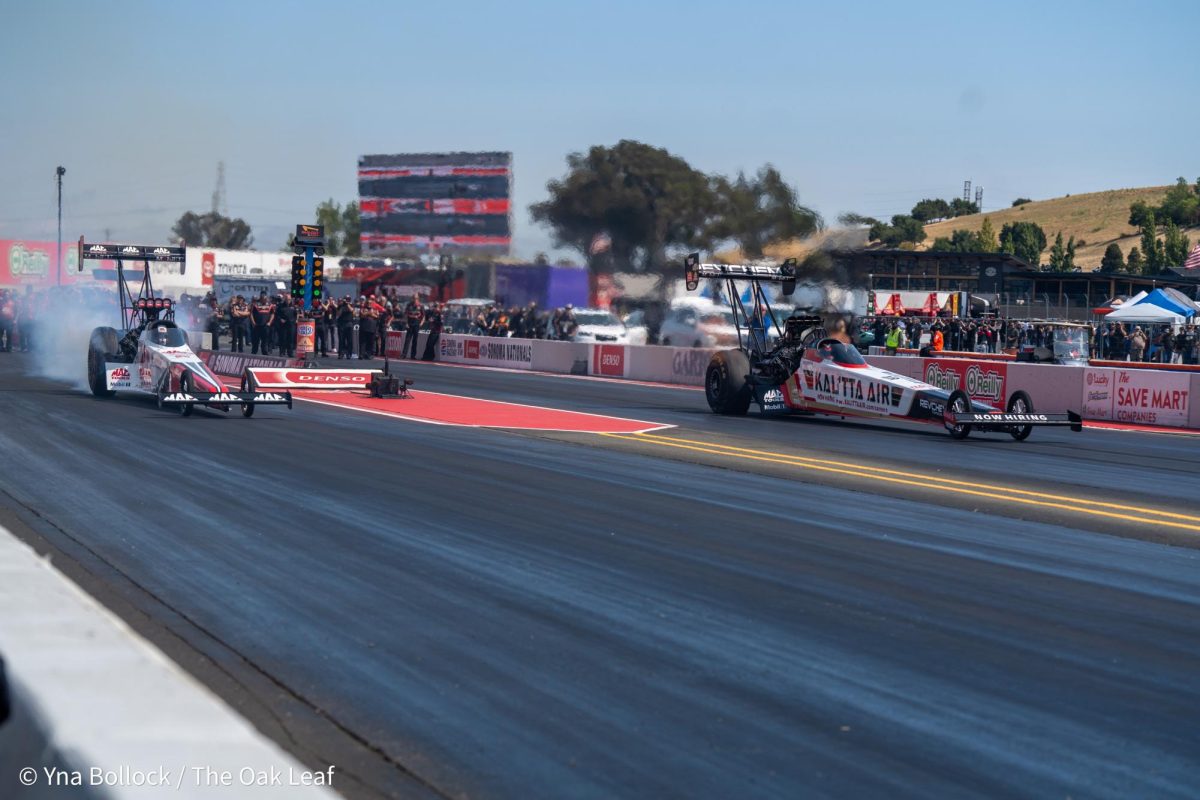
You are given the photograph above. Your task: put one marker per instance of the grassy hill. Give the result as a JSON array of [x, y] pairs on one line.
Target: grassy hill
[[1096, 219]]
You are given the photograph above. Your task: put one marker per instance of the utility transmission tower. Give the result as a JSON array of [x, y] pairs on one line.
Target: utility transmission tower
[[966, 191], [979, 198], [219, 205]]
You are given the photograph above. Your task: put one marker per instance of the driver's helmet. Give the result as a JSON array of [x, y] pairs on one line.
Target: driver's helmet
[[161, 335], [825, 350]]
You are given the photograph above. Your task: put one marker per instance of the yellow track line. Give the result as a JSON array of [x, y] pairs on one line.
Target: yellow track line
[[945, 481], [1021, 496]]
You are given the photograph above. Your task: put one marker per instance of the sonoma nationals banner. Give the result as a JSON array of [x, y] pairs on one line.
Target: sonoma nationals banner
[[445, 202]]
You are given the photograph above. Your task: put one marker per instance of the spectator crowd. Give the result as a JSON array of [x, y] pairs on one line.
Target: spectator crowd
[[267, 325], [353, 328]]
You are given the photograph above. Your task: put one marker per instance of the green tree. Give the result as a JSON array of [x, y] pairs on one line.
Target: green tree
[[646, 199], [212, 230], [1150, 246], [960, 241], [342, 227], [1113, 260], [902, 229], [1140, 213], [1134, 264], [987, 237], [1175, 246], [852, 220], [927, 210], [352, 229], [758, 211], [1181, 205], [1020, 201], [961, 208], [1025, 240], [1069, 260], [1058, 255]]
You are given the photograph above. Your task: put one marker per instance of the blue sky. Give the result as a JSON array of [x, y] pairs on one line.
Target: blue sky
[[864, 106]]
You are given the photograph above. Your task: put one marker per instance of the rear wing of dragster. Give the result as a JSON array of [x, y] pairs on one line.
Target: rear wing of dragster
[[784, 273], [131, 252], [131, 310], [752, 322]]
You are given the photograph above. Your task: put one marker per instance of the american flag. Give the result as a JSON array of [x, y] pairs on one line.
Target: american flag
[[1193, 259]]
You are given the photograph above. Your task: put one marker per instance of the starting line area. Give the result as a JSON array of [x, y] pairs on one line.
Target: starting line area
[[448, 409]]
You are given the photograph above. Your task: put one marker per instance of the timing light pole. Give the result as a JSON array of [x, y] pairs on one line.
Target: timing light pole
[[58, 253]]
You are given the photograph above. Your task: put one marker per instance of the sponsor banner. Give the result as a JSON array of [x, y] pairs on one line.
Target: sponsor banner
[[688, 365], [609, 360], [984, 381], [226, 363], [835, 387], [1144, 397], [31, 263], [394, 347], [206, 263], [487, 351], [282, 378]]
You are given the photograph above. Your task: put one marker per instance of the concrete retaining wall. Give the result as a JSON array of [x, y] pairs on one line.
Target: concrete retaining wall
[[89, 693]]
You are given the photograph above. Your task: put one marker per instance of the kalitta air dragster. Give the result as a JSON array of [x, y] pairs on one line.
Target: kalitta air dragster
[[150, 353], [809, 372]]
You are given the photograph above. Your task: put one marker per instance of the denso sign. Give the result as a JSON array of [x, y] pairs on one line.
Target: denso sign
[[268, 378]]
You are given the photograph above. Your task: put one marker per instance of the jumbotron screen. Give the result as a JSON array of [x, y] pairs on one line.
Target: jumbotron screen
[[412, 202]]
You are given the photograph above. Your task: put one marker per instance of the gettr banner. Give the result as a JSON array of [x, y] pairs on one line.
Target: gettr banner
[[1139, 396]]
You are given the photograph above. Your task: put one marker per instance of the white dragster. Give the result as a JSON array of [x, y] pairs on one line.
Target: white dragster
[[808, 372], [150, 354]]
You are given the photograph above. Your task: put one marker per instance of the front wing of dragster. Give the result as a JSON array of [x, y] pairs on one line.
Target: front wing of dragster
[[228, 398], [1000, 421]]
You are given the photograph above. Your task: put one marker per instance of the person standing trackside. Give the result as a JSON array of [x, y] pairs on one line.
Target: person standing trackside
[[262, 315], [8, 318], [892, 339], [433, 315], [414, 314], [321, 329], [285, 317], [239, 324], [345, 328], [368, 321], [211, 310]]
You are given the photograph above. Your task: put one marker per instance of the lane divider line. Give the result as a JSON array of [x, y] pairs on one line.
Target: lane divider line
[[994, 493], [946, 481]]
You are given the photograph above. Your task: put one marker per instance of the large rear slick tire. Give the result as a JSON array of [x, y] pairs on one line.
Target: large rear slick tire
[[1019, 402], [103, 342], [959, 403], [725, 383]]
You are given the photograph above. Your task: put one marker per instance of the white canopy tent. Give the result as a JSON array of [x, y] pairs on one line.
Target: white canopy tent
[[1145, 312]]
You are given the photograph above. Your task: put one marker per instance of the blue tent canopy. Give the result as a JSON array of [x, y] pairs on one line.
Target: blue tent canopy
[[1159, 298]]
